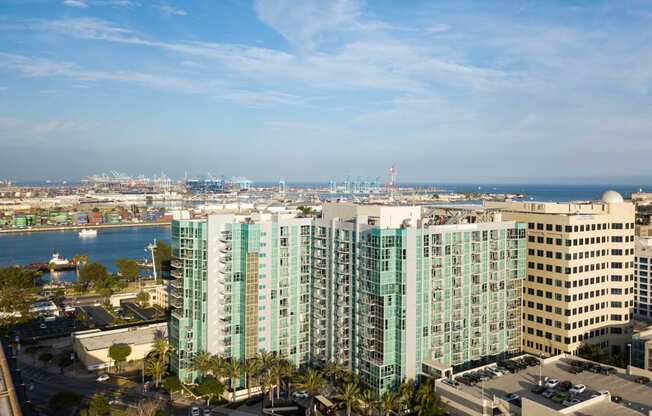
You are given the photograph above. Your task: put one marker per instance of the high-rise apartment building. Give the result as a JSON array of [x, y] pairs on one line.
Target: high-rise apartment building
[[580, 273], [399, 291], [642, 284], [388, 291], [242, 285]]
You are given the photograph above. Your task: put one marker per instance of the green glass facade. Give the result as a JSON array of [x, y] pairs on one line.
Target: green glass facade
[[387, 302]]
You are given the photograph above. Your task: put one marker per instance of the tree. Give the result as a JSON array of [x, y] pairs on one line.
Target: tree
[[388, 403], [202, 362], [250, 368], [63, 402], [45, 358], [145, 408], [92, 273], [333, 370], [17, 290], [233, 373], [155, 368], [348, 395], [143, 298], [218, 367], [98, 406], [172, 384], [119, 353], [368, 401], [80, 259], [161, 349], [312, 382], [162, 257], [428, 402], [210, 388], [404, 395], [59, 296], [128, 269]]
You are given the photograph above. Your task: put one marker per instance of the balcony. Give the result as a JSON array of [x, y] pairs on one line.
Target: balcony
[[177, 273], [177, 264], [176, 302]]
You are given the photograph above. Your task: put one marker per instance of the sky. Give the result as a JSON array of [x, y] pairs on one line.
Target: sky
[[312, 90]]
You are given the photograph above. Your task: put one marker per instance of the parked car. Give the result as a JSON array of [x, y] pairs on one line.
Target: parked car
[[642, 380], [607, 370], [102, 378], [560, 398], [300, 395], [206, 412], [565, 385], [552, 383], [571, 402], [549, 393], [451, 383], [616, 399], [575, 370], [538, 389], [531, 361], [512, 397], [495, 371], [577, 389], [600, 393], [194, 411], [254, 400]]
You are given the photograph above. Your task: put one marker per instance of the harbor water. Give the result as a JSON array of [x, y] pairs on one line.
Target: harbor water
[[109, 245]]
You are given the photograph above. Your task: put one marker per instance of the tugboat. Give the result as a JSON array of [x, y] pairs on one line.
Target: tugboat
[[58, 263], [88, 233]]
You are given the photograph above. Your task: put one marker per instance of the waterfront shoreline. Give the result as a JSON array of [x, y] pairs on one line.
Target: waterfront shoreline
[[81, 227]]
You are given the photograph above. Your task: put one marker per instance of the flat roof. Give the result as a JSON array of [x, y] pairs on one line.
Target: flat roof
[[92, 341], [637, 398]]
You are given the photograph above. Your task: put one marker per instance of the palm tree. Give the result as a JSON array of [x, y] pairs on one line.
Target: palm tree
[[368, 400], [288, 371], [161, 349], [388, 403], [428, 402], [404, 396], [312, 382], [218, 367], [266, 380], [79, 259], [333, 370], [279, 370], [266, 359], [250, 368], [348, 395], [156, 368], [233, 373], [202, 362]]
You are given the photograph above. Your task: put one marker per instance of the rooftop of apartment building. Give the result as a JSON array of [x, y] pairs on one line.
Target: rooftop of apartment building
[[633, 398], [93, 340], [605, 205]]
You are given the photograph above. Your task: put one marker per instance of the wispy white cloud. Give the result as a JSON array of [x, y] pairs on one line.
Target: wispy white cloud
[[39, 67], [75, 3], [259, 99], [82, 4], [169, 10]]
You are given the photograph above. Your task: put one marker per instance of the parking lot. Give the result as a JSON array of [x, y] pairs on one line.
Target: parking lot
[[636, 398], [97, 315]]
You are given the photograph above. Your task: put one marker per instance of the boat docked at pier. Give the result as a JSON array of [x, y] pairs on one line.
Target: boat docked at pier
[[88, 233]]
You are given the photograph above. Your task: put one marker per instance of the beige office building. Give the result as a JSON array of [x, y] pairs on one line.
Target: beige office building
[[580, 273]]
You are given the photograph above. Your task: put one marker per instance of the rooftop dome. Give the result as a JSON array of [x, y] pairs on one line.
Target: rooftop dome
[[612, 197]]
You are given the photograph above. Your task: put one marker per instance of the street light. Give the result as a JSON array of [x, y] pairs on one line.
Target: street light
[[629, 364]]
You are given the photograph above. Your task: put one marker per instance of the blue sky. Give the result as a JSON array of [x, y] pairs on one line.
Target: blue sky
[[314, 90]]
